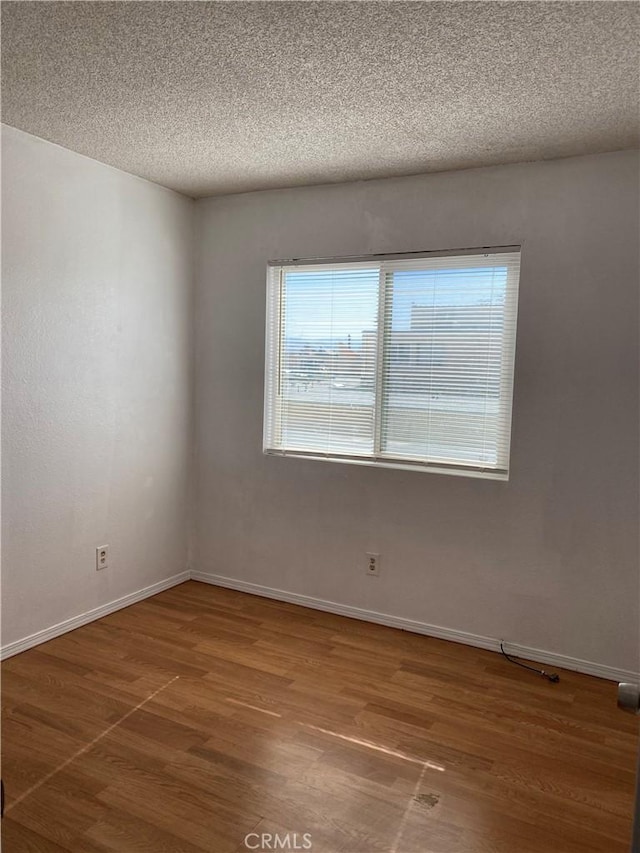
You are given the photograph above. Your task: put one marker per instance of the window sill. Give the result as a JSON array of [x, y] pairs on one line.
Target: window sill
[[400, 464]]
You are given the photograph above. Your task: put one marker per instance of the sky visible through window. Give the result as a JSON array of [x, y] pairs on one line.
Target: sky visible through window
[[325, 306]]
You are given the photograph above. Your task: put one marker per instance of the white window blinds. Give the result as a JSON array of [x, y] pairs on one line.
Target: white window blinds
[[399, 361]]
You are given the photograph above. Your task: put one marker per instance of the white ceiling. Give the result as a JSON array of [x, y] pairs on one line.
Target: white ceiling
[[222, 97]]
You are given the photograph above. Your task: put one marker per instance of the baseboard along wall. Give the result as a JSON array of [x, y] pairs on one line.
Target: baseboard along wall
[[477, 640], [90, 616]]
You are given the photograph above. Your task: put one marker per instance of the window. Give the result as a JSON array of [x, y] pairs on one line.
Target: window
[[402, 361]]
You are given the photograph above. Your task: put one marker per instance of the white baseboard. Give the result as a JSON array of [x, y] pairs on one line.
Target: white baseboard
[[76, 621], [478, 640]]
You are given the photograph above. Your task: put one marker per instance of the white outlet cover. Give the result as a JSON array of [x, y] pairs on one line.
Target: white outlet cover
[[372, 557], [102, 557]]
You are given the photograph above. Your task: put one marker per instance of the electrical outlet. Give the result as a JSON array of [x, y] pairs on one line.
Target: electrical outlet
[[102, 557], [373, 564]]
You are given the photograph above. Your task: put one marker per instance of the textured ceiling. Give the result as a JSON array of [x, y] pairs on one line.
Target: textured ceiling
[[220, 97]]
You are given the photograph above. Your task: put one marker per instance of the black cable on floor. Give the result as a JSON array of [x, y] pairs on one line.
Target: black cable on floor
[[553, 677]]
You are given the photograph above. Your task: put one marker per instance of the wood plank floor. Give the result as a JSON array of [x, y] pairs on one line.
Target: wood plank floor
[[196, 717]]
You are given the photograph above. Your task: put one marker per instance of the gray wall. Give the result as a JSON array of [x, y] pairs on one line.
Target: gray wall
[[97, 341], [548, 560]]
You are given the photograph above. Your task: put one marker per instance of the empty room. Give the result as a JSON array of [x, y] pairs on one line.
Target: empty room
[[320, 427]]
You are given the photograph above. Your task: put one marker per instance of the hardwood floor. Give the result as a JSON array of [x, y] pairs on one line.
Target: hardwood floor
[[196, 717]]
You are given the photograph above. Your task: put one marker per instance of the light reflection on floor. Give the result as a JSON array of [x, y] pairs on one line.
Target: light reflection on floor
[[425, 765]]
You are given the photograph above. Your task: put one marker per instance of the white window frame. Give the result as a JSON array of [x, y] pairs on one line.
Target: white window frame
[[276, 270]]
